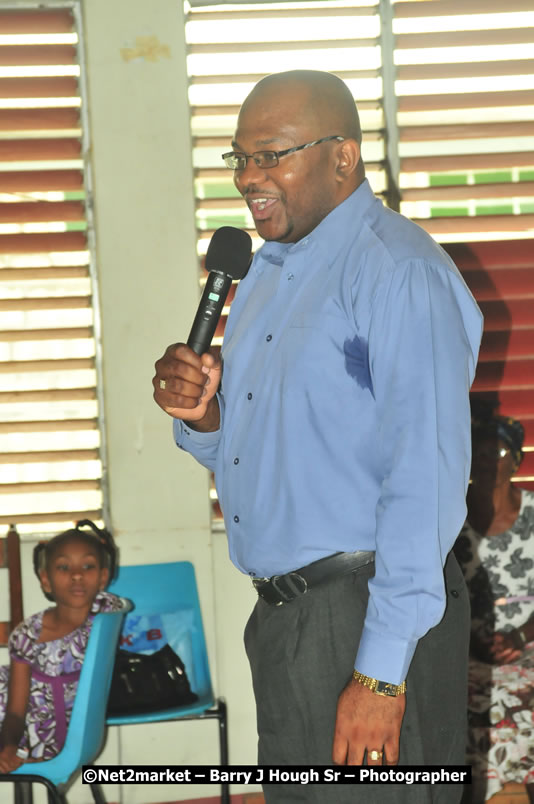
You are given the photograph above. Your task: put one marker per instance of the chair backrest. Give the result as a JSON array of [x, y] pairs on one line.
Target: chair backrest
[[167, 589], [85, 732], [86, 728], [10, 560]]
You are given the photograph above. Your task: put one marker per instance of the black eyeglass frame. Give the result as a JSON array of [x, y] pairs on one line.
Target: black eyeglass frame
[[275, 154]]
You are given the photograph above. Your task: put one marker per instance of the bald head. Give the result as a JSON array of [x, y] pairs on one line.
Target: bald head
[[321, 100], [310, 120]]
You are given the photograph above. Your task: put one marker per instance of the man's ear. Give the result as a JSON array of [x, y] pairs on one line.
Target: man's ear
[[45, 583], [104, 578], [348, 155]]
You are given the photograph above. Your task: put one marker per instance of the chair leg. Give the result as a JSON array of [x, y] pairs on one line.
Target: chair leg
[[223, 731], [98, 795], [23, 793], [55, 797], [225, 793], [223, 746]]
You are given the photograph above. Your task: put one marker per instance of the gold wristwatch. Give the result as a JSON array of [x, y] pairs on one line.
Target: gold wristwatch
[[380, 687]]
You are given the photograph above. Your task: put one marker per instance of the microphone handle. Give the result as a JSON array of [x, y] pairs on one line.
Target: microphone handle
[[209, 311]]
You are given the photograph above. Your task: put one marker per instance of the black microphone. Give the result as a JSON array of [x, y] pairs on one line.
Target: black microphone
[[227, 258]]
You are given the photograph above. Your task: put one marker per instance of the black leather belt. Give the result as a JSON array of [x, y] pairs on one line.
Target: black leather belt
[[285, 588]]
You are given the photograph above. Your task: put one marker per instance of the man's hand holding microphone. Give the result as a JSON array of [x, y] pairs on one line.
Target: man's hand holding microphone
[[188, 376]]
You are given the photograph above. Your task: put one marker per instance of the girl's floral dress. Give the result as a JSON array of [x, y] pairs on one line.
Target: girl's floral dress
[[499, 571], [56, 667]]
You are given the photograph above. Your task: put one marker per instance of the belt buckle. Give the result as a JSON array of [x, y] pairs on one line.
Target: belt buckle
[[296, 583], [257, 583], [292, 586]]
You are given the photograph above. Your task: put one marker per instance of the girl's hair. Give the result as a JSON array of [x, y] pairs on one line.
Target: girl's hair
[[95, 536]]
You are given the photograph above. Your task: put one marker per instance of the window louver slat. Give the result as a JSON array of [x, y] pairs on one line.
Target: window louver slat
[[39, 119], [31, 181], [469, 100], [474, 38], [42, 211], [462, 191], [42, 243], [261, 47], [37, 87], [465, 162], [439, 8], [60, 425], [471, 228], [482, 69], [32, 55], [504, 345], [40, 150], [44, 20], [32, 523]]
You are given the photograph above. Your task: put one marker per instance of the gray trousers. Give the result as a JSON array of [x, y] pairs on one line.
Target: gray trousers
[[302, 655]]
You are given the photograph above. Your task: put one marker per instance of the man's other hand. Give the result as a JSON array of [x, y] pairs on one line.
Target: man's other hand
[[367, 722]]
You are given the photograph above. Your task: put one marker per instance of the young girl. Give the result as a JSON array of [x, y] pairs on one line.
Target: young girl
[[47, 649]]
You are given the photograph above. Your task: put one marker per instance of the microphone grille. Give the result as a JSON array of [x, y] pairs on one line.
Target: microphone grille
[[229, 251]]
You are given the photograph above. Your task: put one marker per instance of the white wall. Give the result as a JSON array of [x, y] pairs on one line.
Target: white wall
[[148, 283]]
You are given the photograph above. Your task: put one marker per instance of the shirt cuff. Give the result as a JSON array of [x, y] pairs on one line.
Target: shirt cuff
[[386, 658], [184, 435]]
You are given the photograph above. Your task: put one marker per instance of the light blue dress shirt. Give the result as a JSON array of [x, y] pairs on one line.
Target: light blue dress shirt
[[345, 424]]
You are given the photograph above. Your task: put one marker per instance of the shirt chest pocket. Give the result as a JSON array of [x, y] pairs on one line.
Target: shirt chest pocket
[[313, 347]]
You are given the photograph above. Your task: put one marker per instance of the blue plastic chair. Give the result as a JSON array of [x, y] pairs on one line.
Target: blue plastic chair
[[164, 589], [86, 730]]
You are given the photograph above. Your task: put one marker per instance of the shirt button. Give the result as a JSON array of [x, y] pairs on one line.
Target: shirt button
[[236, 518], [236, 461], [269, 338], [290, 277], [249, 396]]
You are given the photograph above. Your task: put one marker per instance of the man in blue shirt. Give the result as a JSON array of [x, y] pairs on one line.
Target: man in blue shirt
[[340, 440]]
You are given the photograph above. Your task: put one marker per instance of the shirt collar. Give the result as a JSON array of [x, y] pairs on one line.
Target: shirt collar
[[326, 235]]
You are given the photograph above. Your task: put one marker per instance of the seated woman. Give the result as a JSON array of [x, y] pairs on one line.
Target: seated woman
[[496, 552]]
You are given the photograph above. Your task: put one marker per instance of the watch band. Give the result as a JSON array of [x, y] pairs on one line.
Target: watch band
[[380, 687]]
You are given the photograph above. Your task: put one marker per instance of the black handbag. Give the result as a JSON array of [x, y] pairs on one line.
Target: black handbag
[[148, 682]]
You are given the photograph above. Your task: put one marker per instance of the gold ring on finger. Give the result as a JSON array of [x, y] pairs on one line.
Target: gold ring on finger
[[162, 384], [376, 755]]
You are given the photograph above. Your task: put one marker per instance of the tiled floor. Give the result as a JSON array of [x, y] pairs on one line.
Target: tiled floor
[[511, 794]]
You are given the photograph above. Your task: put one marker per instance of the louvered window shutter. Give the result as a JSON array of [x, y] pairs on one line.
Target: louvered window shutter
[[50, 462], [465, 115], [465, 111]]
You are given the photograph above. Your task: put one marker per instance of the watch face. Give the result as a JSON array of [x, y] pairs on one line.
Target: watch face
[[383, 688]]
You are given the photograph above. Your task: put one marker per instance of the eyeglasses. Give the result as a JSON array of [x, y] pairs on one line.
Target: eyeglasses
[[236, 160]]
